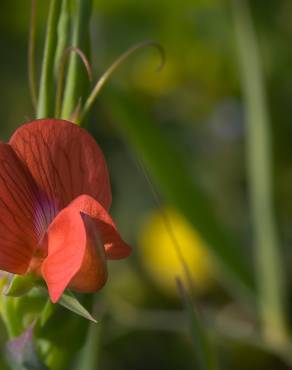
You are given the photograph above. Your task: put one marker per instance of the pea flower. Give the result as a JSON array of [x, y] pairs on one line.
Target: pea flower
[[54, 200]]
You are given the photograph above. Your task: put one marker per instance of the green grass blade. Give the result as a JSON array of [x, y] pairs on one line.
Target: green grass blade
[[259, 152], [169, 171], [45, 107], [204, 352]]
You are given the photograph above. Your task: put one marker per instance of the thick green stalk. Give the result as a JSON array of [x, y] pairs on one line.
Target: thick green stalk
[[45, 106], [269, 266], [77, 79]]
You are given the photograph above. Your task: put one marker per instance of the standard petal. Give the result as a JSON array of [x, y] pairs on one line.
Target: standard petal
[[66, 249], [115, 247], [64, 160], [23, 213]]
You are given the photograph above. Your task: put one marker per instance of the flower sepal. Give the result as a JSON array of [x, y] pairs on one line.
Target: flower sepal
[[68, 300]]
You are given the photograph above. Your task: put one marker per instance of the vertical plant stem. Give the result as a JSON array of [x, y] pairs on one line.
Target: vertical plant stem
[[89, 356], [31, 55], [63, 31], [45, 106], [11, 320], [270, 276], [77, 82]]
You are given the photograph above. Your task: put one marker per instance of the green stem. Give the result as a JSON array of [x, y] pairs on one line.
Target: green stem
[[45, 106], [61, 75], [204, 351], [31, 56], [11, 320], [77, 81], [269, 264], [63, 30], [89, 356]]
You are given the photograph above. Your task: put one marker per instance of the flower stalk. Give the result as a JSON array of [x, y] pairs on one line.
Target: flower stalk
[[77, 80], [45, 106]]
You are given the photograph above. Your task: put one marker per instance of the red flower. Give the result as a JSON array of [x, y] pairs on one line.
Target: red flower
[[54, 201]]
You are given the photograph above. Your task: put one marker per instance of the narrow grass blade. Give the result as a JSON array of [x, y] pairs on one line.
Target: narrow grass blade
[[269, 264]]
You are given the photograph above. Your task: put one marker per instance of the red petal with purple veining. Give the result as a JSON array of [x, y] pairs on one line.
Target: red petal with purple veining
[[23, 217], [64, 160], [115, 247]]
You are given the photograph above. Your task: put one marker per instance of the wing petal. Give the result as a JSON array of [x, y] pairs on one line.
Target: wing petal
[[23, 215]]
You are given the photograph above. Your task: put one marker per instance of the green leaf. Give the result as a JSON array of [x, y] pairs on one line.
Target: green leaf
[[168, 168], [19, 312], [19, 285], [69, 301]]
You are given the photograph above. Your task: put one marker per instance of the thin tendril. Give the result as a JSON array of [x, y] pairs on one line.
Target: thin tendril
[[31, 55], [123, 57], [61, 74], [168, 225]]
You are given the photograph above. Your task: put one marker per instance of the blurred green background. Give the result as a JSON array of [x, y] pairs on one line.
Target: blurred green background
[[196, 101]]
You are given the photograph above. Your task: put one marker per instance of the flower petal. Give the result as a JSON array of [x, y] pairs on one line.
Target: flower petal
[[93, 272], [22, 213], [115, 247], [66, 249], [76, 257], [64, 160]]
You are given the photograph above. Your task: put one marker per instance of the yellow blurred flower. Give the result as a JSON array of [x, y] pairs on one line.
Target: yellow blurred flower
[[160, 259]]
